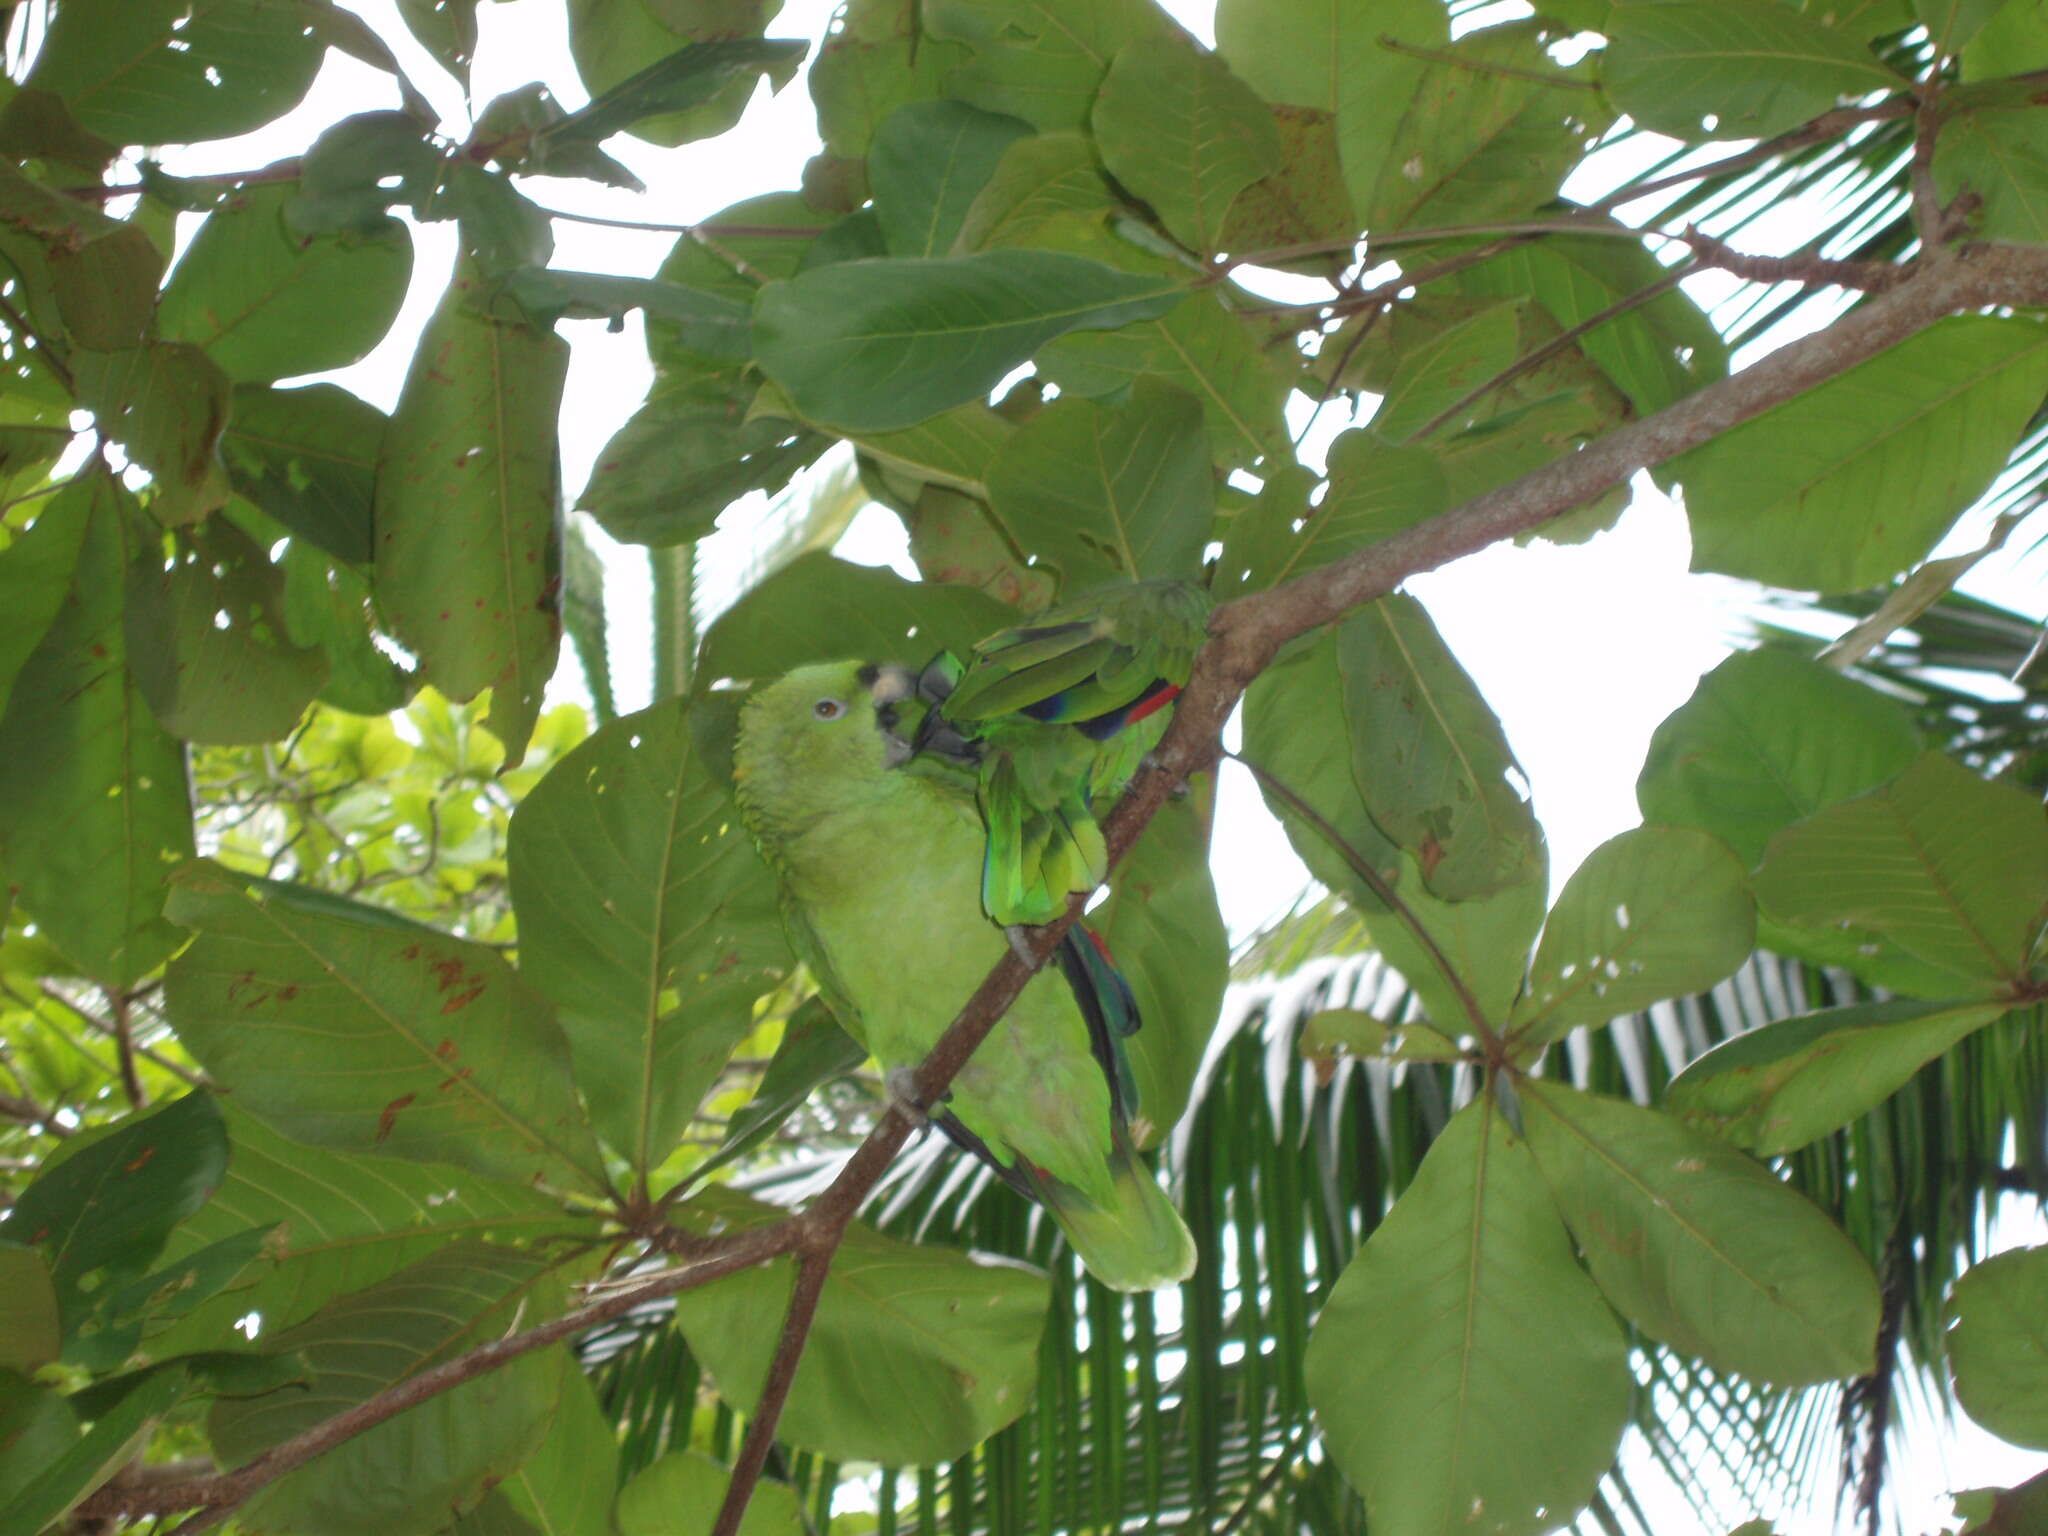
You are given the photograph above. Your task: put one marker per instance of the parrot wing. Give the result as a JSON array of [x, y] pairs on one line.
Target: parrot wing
[[1054, 716]]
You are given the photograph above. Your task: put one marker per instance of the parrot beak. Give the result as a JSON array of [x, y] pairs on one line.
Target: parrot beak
[[889, 687]]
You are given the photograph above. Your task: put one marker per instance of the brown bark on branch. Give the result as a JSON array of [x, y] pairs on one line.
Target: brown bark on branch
[[1245, 635]]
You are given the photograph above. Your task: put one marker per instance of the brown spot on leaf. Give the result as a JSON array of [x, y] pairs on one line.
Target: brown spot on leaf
[[446, 1050], [464, 999], [389, 1117], [141, 1158]]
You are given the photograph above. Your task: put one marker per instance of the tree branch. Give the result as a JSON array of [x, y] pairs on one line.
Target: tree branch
[[811, 1270], [219, 1494]]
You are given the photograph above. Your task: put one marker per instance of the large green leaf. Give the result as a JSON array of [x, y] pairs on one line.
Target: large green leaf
[[93, 801], [264, 303], [1199, 346], [468, 493], [567, 1484], [818, 608], [880, 57], [1732, 69], [956, 1340], [1489, 133], [2000, 155], [212, 649], [1855, 480], [1699, 1246], [101, 1216], [407, 1475], [32, 1330], [1162, 923], [367, 1033], [1177, 128], [343, 1222], [1513, 1380], [1951, 868], [1109, 493], [884, 343], [680, 1495], [647, 917], [1041, 60], [1650, 914], [77, 1466], [1998, 1345], [1334, 55], [1448, 364], [1462, 958], [35, 577], [37, 1426], [173, 71], [928, 162], [1295, 730], [1047, 177], [1437, 773], [689, 453], [1775, 1088], [634, 57], [1768, 738], [1375, 489], [1655, 353], [166, 402], [308, 457]]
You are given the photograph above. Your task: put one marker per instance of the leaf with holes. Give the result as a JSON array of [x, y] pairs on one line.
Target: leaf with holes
[[212, 649], [102, 1215], [1651, 913], [1732, 69], [177, 71], [1109, 493], [263, 303], [468, 497], [367, 1033], [871, 345], [93, 799]]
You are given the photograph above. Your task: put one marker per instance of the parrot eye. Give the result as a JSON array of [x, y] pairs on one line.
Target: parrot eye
[[828, 709]]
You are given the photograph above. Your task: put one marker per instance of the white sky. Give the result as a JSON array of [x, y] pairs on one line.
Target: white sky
[[1581, 650]]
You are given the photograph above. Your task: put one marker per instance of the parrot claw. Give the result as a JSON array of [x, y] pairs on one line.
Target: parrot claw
[[900, 1084], [1020, 943]]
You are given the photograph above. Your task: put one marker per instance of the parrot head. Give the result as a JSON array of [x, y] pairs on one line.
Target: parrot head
[[831, 728]]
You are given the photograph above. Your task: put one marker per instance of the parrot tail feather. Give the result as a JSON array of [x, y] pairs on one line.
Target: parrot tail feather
[[1135, 1240]]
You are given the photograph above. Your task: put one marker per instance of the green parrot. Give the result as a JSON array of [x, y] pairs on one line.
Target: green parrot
[[879, 854], [1054, 717]]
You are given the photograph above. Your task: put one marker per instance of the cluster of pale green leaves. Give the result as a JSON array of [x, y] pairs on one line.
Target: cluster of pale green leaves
[[420, 1143]]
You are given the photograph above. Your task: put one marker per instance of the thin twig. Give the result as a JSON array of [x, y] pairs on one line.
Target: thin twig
[[1838, 120], [1555, 345], [811, 1271], [124, 1050], [1864, 276]]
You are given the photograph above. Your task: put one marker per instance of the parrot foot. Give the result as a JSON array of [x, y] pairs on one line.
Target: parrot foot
[[1020, 943], [900, 1083]]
